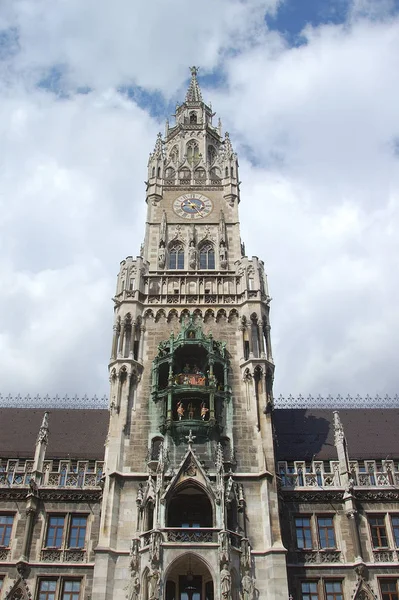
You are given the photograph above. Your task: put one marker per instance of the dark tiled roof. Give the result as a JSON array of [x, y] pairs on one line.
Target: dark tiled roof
[[304, 434], [73, 433]]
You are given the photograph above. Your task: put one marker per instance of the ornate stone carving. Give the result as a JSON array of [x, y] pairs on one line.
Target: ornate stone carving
[[161, 255], [224, 547], [153, 581], [247, 587], [225, 582]]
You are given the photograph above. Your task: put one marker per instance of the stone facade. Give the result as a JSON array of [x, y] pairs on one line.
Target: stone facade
[[205, 491]]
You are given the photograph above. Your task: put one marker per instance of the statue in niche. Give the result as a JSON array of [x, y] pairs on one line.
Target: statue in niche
[[180, 410], [153, 584], [225, 582], [223, 255], [204, 411], [161, 256], [247, 586], [192, 255], [134, 588]]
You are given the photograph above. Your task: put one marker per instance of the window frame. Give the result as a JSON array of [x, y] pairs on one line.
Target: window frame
[[395, 536], [67, 531], [177, 251], [302, 528], [376, 528], [207, 250], [325, 529], [333, 595], [6, 529], [310, 595], [388, 595], [59, 592]]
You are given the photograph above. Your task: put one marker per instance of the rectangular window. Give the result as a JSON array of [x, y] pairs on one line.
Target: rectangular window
[[303, 533], [55, 532], [6, 522], [71, 589], [378, 532], [47, 588], [389, 589], [325, 527], [1, 583], [395, 529], [309, 590], [77, 532], [333, 590]]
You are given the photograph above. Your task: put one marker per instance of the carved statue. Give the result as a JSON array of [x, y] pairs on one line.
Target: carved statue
[[192, 255], [162, 232], [225, 582], [204, 411], [224, 547], [223, 255], [153, 584], [161, 256], [247, 586], [180, 410], [134, 588], [155, 546]]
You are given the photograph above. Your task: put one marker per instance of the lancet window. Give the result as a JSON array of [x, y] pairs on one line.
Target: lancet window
[[193, 154], [207, 256], [176, 257]]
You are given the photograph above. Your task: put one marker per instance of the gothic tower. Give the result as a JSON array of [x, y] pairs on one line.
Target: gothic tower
[[190, 508]]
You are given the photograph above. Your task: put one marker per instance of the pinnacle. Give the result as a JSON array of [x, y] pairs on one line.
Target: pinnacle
[[194, 91]]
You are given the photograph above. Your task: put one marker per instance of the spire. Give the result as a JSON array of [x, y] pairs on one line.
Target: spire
[[194, 92]]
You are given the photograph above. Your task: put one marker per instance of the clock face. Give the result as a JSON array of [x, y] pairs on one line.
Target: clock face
[[192, 206]]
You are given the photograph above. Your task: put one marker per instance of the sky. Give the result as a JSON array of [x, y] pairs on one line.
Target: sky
[[308, 90]]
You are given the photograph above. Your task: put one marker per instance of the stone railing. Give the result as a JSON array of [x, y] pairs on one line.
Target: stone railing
[[385, 556], [317, 556], [326, 475], [4, 554], [17, 473], [69, 555], [190, 535]]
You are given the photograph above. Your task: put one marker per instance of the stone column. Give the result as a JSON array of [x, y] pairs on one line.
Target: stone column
[[261, 340], [114, 342], [352, 516], [141, 343], [268, 343], [121, 339]]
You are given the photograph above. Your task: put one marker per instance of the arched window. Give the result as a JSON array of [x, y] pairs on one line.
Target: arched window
[[193, 117], [207, 257], [159, 172], [192, 151], [174, 154], [153, 172], [190, 507], [176, 257], [211, 154], [226, 172]]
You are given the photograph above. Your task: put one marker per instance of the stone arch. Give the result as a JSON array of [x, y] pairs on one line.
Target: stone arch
[[19, 591], [221, 315], [200, 173], [190, 501], [197, 314], [233, 316], [184, 315], [198, 567], [161, 315], [173, 315], [148, 314], [211, 154], [209, 315]]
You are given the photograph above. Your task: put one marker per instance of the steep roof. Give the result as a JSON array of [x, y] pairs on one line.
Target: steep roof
[[306, 434], [73, 433]]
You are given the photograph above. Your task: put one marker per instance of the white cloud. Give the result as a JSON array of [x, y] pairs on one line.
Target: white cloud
[[315, 128]]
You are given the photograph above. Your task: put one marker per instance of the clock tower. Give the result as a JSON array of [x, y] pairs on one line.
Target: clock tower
[[190, 508]]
